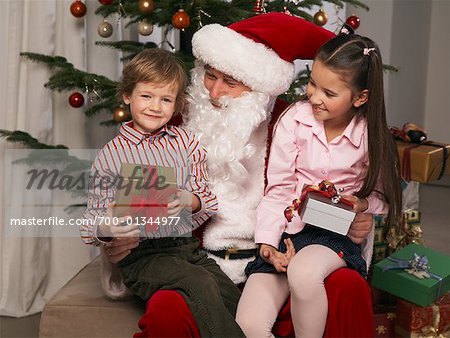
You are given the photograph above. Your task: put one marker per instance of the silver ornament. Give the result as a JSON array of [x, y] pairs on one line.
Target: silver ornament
[[105, 29], [145, 28]]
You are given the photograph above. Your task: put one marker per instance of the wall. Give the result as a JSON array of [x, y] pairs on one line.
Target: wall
[[437, 103], [402, 30]]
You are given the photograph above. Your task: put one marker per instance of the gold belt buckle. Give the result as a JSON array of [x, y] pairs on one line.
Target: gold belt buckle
[[229, 252]]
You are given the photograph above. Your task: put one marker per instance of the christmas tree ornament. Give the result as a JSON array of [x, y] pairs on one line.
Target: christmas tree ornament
[[105, 29], [181, 19], [353, 21], [120, 114], [106, 2], [145, 28], [76, 100], [146, 6], [320, 18], [78, 9], [258, 7]]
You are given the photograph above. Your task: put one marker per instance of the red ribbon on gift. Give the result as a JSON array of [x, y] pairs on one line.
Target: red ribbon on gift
[[325, 188]]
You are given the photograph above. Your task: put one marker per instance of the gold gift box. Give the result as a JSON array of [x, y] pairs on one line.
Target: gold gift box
[[425, 162], [155, 185]]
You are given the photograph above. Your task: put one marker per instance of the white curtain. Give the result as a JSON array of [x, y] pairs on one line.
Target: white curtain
[[33, 269]]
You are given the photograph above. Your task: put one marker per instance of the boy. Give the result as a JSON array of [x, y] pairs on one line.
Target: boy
[[153, 86]]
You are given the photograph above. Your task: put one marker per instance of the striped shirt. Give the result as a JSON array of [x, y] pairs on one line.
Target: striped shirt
[[170, 147]]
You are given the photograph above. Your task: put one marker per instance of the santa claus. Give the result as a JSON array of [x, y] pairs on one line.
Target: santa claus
[[240, 70]]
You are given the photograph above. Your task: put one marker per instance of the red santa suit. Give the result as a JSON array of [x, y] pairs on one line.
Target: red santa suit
[[259, 52]]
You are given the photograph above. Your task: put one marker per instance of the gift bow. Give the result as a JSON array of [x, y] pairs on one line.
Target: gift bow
[[409, 233], [432, 331], [410, 133], [417, 266], [325, 188]]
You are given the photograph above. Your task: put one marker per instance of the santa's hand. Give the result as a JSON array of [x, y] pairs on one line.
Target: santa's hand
[[359, 204], [360, 227], [117, 227], [272, 256]]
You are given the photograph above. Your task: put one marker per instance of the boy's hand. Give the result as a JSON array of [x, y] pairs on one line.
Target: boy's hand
[[279, 260], [359, 204], [183, 199], [117, 227], [119, 248]]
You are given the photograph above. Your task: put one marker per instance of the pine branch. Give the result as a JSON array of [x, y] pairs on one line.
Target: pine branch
[[51, 61], [26, 139], [390, 69]]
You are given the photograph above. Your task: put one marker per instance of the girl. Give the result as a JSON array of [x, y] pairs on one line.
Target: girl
[[340, 135]]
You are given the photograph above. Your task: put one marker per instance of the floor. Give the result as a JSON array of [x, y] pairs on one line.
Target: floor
[[434, 204]]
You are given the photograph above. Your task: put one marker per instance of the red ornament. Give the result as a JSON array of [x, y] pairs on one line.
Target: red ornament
[[106, 2], [78, 9], [353, 21], [181, 19], [258, 7], [76, 100]]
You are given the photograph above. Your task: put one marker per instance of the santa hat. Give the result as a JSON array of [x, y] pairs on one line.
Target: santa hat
[[260, 51]]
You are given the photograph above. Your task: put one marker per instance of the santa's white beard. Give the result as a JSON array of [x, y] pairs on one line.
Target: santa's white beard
[[226, 132]]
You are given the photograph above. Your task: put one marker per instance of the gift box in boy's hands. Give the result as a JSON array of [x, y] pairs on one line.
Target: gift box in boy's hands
[[321, 211], [418, 321], [144, 191], [415, 273]]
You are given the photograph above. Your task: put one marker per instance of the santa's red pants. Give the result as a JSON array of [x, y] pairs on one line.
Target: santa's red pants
[[349, 311]]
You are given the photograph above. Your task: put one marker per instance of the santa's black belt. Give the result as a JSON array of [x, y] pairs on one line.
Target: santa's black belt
[[233, 253]]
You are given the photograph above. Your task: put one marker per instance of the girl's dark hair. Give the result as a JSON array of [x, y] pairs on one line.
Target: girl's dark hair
[[155, 65], [358, 60]]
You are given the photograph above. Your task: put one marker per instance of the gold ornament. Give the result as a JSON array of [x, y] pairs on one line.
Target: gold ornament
[[320, 18], [105, 29], [120, 114], [146, 6], [145, 27]]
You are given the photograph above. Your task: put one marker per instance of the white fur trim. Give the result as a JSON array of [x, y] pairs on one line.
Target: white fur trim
[[233, 268], [111, 280], [256, 65]]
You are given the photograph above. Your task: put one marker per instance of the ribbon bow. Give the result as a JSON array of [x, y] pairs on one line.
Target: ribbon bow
[[410, 133], [417, 266], [409, 233], [432, 331], [325, 188]]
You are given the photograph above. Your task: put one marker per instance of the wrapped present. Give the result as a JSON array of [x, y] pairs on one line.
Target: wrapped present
[[384, 324], [415, 273], [380, 252], [424, 162], [320, 211], [409, 232], [143, 192], [322, 206], [429, 321]]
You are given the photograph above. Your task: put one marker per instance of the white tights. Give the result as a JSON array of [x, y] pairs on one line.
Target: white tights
[[265, 293]]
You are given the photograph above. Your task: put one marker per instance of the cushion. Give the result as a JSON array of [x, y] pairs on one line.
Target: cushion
[[80, 309]]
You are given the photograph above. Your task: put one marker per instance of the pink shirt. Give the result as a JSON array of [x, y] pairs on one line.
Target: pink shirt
[[300, 155]]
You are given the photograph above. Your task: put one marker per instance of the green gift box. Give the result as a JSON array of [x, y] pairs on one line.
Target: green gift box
[[420, 291]]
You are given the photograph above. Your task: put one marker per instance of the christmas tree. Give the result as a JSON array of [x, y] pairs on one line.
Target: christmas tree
[[181, 15]]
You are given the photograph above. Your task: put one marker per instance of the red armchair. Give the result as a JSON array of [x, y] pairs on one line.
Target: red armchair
[[349, 311]]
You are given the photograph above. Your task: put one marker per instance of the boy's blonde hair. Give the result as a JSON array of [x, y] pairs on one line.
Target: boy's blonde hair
[[158, 66]]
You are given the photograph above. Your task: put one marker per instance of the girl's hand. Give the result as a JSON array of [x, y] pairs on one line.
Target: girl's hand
[[279, 260], [183, 199], [359, 204], [117, 227]]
